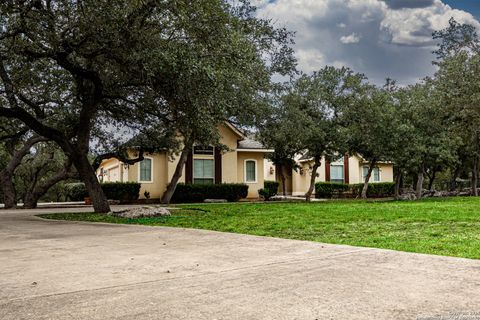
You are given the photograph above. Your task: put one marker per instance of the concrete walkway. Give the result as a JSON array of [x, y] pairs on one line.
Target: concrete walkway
[[64, 270]]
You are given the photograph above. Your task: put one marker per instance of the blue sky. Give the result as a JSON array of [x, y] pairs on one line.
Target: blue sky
[[472, 6], [379, 38]]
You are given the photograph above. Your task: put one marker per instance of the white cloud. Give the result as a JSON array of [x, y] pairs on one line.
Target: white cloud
[[309, 59], [396, 35], [352, 38], [413, 26]]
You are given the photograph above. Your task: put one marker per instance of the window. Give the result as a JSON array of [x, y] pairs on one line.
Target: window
[[375, 174], [203, 171], [207, 150], [336, 173], [145, 170], [251, 171]]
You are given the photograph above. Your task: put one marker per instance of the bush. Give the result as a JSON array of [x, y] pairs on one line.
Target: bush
[[76, 191], [330, 189], [199, 192], [270, 189], [123, 191], [375, 190]]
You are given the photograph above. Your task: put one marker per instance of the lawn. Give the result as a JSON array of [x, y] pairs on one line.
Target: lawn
[[448, 227]]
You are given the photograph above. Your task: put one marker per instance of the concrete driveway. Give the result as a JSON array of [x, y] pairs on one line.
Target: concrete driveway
[[64, 270]]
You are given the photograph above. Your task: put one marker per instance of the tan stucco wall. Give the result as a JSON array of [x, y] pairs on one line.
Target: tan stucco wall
[[159, 179], [386, 172], [164, 166], [269, 170], [229, 158], [252, 187], [114, 170], [301, 182], [171, 165]]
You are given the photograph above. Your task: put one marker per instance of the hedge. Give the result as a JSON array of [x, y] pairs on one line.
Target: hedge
[[330, 189], [375, 190], [188, 193], [270, 189], [123, 191]]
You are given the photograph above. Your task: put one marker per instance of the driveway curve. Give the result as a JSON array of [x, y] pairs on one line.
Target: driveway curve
[[74, 270]]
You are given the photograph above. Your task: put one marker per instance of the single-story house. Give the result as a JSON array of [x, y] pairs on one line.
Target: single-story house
[[242, 163], [346, 169]]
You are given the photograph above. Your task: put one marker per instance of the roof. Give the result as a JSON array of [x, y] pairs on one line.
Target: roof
[[305, 157], [249, 144], [235, 129]]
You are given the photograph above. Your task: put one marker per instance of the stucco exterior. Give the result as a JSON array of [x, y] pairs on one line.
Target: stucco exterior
[[299, 182], [164, 165], [253, 187]]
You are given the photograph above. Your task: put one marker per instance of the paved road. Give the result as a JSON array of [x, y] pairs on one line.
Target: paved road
[[63, 270]]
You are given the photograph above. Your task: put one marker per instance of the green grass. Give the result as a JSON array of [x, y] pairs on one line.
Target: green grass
[[444, 227]]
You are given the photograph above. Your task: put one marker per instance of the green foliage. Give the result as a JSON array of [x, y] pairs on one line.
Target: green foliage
[[76, 191], [189, 193], [270, 189], [123, 191], [330, 189], [333, 189], [375, 190]]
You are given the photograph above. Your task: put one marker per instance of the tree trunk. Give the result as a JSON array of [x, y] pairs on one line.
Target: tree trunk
[[31, 200], [398, 183], [38, 190], [475, 177], [88, 176], [431, 179], [6, 175], [168, 194], [419, 187], [9, 192], [313, 177], [453, 181], [367, 179], [282, 179]]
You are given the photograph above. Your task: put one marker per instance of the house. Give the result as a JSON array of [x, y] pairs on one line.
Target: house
[[346, 169], [243, 163]]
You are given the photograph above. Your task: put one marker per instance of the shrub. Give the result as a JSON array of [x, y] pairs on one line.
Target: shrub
[[375, 190], [199, 192], [270, 189], [330, 189], [76, 191], [123, 191]]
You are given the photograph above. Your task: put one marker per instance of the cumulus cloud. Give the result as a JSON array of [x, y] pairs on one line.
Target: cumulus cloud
[[392, 37], [399, 4], [351, 38]]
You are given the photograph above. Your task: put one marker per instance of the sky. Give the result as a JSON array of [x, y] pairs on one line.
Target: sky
[[379, 38]]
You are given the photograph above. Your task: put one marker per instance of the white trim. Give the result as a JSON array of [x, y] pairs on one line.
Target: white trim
[[151, 171], [235, 129], [245, 171], [256, 150], [373, 175]]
